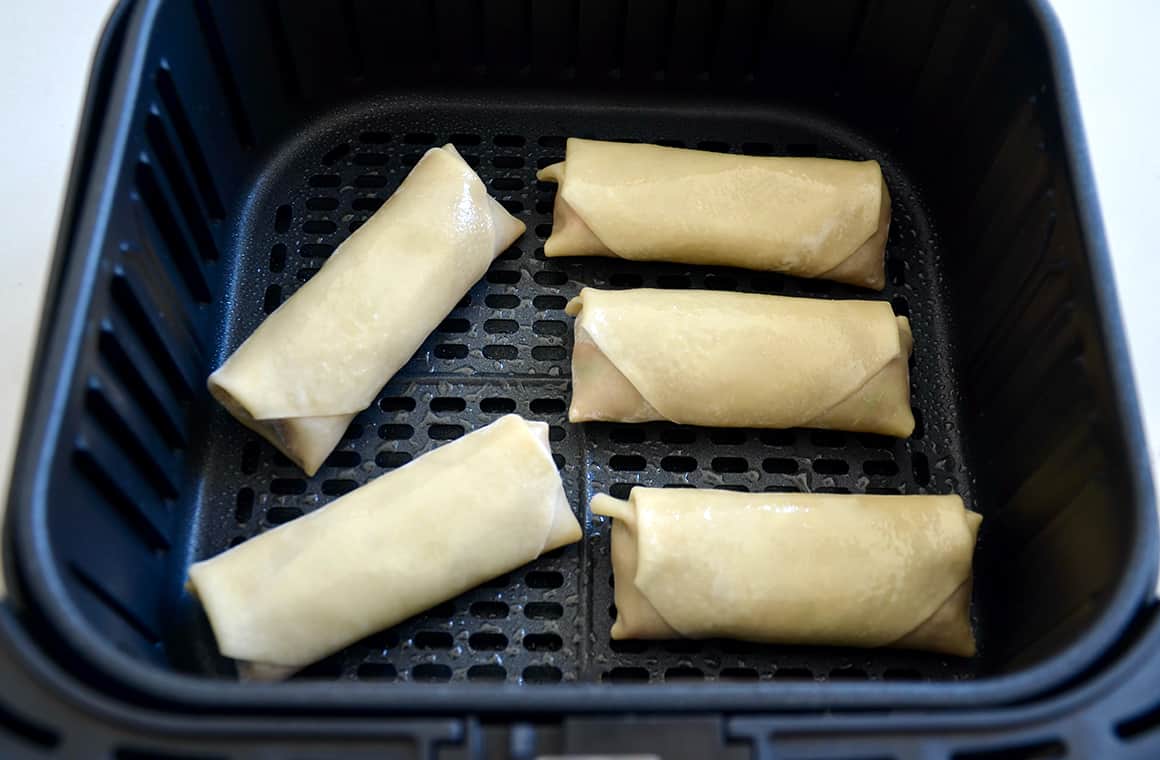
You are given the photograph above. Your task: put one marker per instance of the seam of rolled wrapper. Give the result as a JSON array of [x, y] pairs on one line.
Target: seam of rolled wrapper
[[962, 646], [936, 640], [905, 347]]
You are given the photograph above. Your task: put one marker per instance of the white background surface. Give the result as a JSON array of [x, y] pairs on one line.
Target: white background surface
[[46, 48]]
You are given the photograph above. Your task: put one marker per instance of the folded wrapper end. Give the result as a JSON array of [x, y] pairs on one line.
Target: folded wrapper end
[[905, 335], [306, 441], [552, 173], [636, 618], [256, 672], [575, 305], [565, 528], [600, 391], [505, 226], [904, 418], [571, 236], [948, 629], [609, 506], [866, 266], [891, 384]]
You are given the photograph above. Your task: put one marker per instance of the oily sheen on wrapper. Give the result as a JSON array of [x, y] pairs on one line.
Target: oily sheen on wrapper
[[325, 353], [740, 360], [420, 535], [809, 217], [793, 568]]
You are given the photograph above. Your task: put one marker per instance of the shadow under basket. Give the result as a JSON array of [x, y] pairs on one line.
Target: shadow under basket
[[244, 141]]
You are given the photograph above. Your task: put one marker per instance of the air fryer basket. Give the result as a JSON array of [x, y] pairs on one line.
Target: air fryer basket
[[248, 140]]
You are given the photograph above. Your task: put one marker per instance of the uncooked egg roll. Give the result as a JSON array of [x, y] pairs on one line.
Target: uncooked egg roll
[[793, 568], [809, 217], [325, 353], [420, 535], [740, 360]]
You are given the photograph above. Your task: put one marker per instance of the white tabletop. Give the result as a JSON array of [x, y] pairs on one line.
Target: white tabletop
[[46, 48]]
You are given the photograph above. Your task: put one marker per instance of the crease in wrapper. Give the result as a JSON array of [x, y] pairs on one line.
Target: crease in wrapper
[[784, 568], [740, 360], [324, 354], [436, 527], [809, 217]]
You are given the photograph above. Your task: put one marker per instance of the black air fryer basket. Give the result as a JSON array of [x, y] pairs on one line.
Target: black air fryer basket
[[228, 149]]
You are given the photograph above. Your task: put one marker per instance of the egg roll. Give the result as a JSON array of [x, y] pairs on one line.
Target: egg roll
[[793, 568], [808, 217], [740, 360], [325, 353], [408, 540]]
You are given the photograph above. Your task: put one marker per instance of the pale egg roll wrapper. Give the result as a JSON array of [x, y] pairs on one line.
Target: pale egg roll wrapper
[[325, 353], [740, 360], [809, 217], [792, 568], [451, 519]]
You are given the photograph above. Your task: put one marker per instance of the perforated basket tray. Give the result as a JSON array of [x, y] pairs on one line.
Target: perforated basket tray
[[235, 163], [506, 348]]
